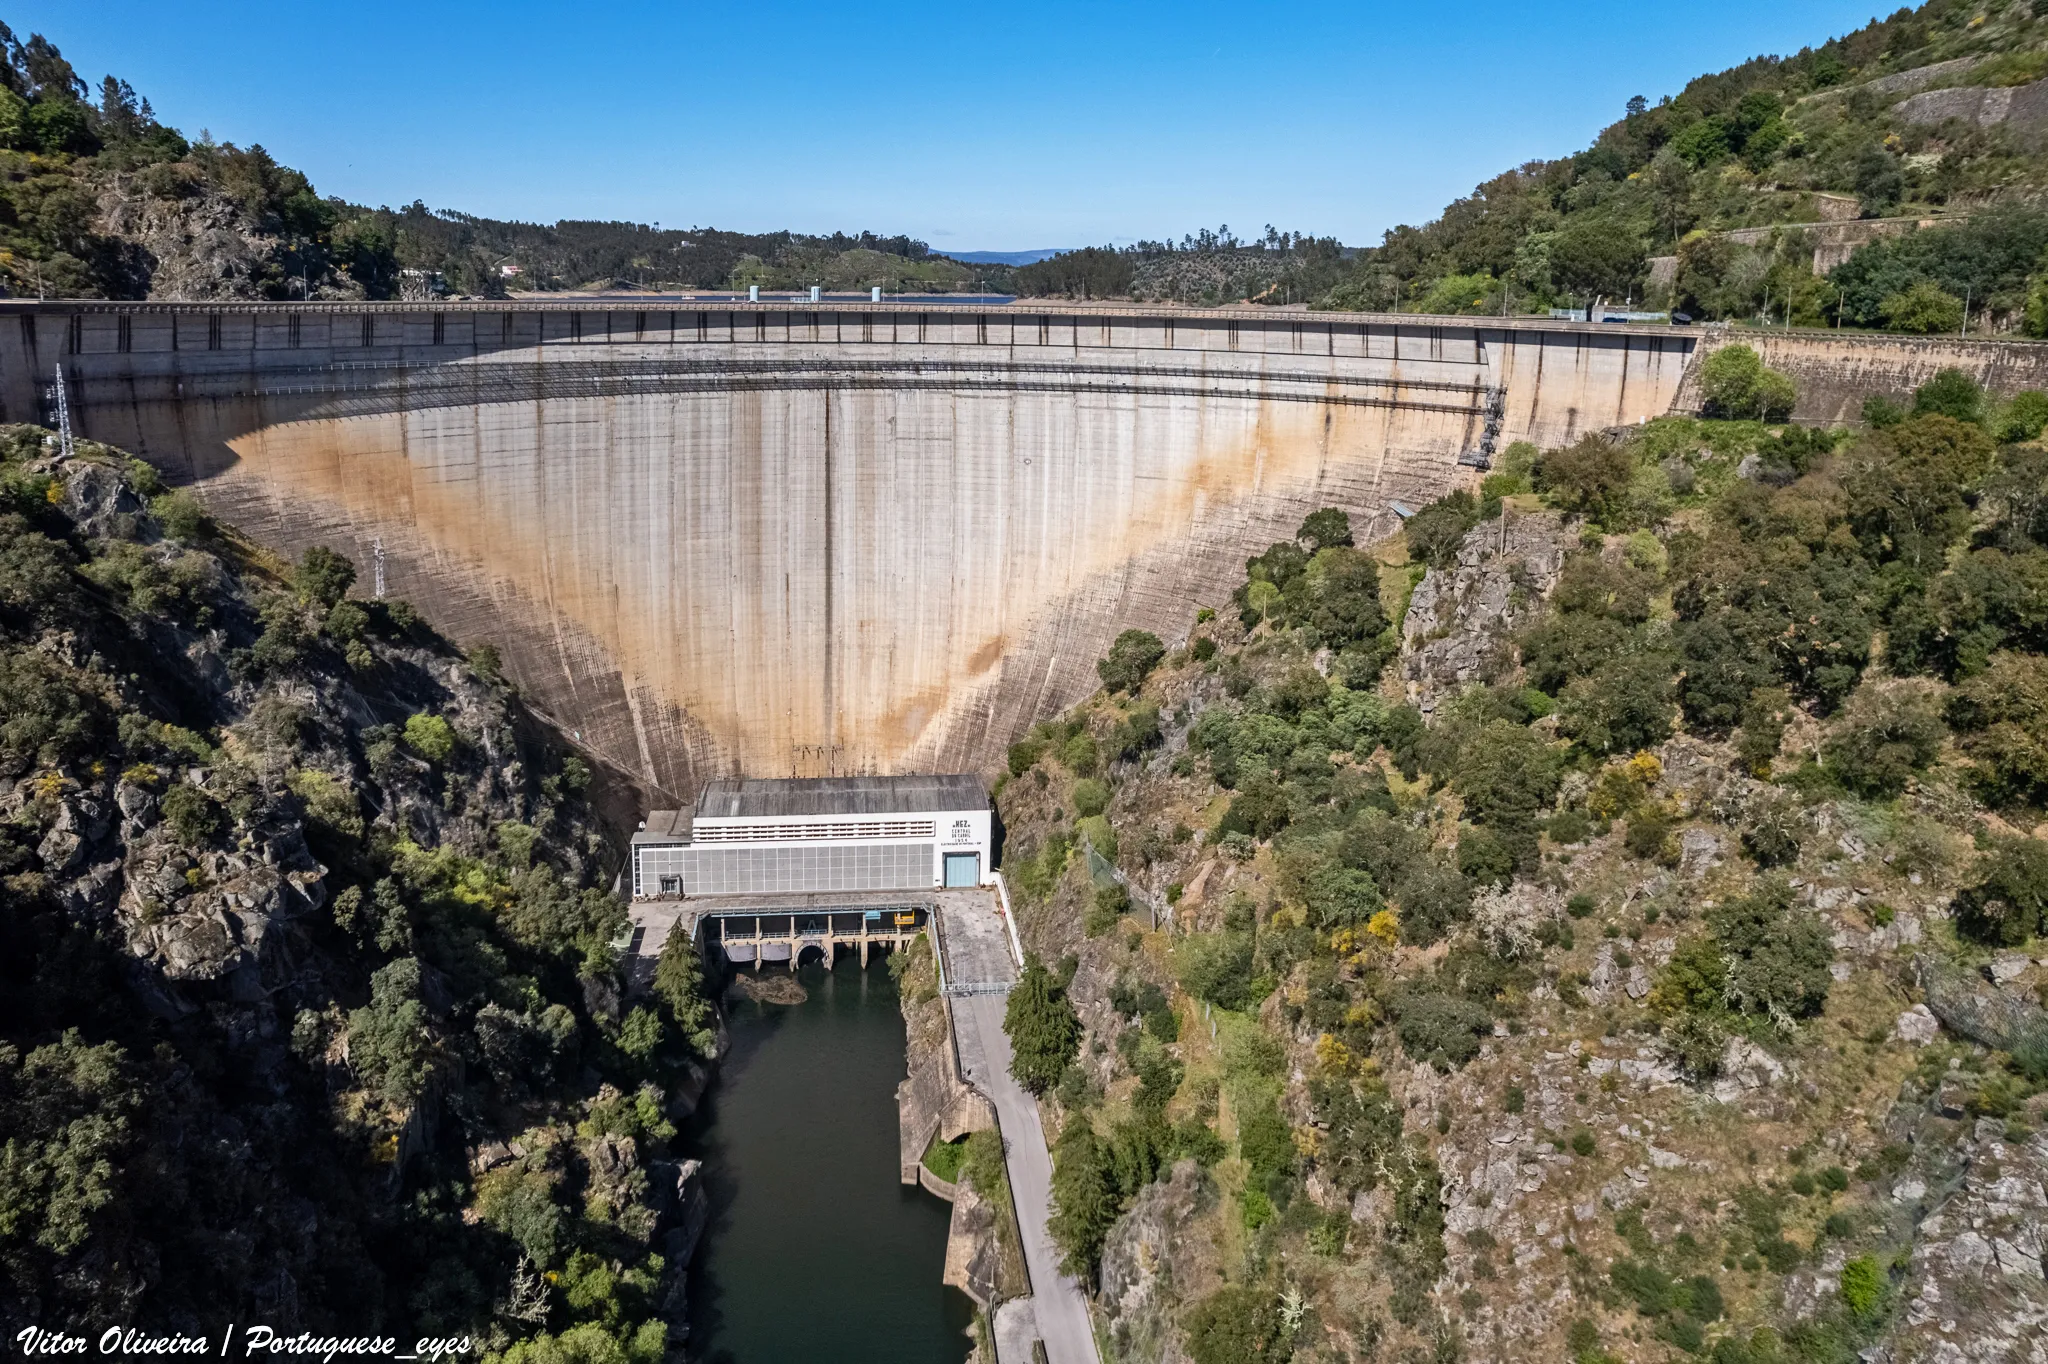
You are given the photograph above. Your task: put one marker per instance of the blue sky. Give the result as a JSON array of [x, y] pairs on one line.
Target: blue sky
[[1049, 125]]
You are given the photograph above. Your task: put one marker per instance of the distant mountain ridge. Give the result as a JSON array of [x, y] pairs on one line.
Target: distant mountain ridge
[[1007, 257]]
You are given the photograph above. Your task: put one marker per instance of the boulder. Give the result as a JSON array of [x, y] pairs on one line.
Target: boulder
[[1917, 1025]]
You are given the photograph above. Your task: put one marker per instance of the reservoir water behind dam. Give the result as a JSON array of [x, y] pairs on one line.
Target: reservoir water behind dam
[[815, 1251]]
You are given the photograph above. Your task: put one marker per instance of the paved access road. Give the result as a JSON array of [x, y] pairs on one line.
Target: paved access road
[[1059, 1304]]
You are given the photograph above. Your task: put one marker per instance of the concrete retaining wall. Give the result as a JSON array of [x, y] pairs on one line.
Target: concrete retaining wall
[[1836, 371]]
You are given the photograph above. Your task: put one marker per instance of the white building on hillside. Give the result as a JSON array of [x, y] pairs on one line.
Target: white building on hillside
[[818, 835]]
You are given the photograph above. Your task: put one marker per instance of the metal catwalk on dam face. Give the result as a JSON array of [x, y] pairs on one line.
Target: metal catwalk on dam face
[[734, 538]]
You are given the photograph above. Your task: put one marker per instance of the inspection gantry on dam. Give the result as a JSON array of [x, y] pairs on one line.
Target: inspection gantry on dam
[[768, 869]]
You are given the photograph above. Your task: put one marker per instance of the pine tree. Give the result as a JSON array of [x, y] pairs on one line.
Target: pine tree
[[679, 980], [1084, 1197], [1044, 1032]]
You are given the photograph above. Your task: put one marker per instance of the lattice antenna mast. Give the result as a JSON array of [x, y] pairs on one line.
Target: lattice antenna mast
[[377, 559], [64, 446]]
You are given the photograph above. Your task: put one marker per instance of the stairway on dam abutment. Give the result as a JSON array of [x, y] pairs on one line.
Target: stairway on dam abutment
[[797, 541]]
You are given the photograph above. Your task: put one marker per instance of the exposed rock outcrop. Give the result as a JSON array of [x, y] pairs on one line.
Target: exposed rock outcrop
[[1974, 1292], [1149, 1266], [1461, 621]]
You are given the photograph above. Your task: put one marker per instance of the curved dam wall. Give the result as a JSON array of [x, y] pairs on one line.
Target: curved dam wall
[[724, 539]]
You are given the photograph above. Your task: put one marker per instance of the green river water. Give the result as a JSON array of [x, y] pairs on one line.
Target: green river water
[[815, 1253]]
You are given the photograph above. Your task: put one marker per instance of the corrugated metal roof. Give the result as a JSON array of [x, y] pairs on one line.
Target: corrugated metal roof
[[665, 826], [799, 796]]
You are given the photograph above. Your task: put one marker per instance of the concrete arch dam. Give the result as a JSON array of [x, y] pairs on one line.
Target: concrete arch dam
[[724, 538]]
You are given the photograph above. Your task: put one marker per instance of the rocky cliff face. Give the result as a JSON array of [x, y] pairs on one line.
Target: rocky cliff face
[[310, 1014], [1562, 1172]]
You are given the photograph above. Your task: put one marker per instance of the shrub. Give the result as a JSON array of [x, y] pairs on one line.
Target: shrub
[[1569, 826], [1096, 829], [1649, 832], [1695, 1043], [1440, 1029], [1134, 654], [1582, 1143], [180, 515], [1950, 393], [43, 716], [1905, 486], [1023, 756], [1777, 961], [1136, 732], [1259, 810], [1265, 1141], [2024, 418], [1924, 309], [323, 575], [1217, 968], [1781, 1255], [1772, 837], [1735, 383], [1862, 1287], [1623, 707], [1237, 1324], [1081, 755], [1890, 729], [430, 736], [191, 813], [1435, 532], [944, 1159], [2003, 712], [1485, 857], [1591, 476], [1111, 904], [2008, 903]]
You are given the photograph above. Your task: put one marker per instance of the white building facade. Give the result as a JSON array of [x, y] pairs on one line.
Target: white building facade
[[818, 835]]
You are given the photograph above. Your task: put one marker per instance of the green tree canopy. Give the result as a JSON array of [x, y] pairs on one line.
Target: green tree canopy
[[1045, 1033], [1131, 658]]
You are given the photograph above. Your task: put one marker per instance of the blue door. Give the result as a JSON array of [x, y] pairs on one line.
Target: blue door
[[963, 869]]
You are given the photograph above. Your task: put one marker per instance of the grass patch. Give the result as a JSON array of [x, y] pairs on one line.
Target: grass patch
[[944, 1159]]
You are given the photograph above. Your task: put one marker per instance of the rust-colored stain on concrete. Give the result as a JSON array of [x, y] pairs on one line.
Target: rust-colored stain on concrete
[[856, 577]]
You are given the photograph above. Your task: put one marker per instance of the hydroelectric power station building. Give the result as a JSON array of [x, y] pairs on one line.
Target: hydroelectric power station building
[[818, 835]]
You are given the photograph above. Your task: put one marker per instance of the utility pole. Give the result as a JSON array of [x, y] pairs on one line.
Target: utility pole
[[377, 560], [1966, 312]]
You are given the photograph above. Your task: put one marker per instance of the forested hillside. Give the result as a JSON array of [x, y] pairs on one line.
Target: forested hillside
[[98, 199], [1928, 114], [1785, 190], [1605, 922], [310, 1009]]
